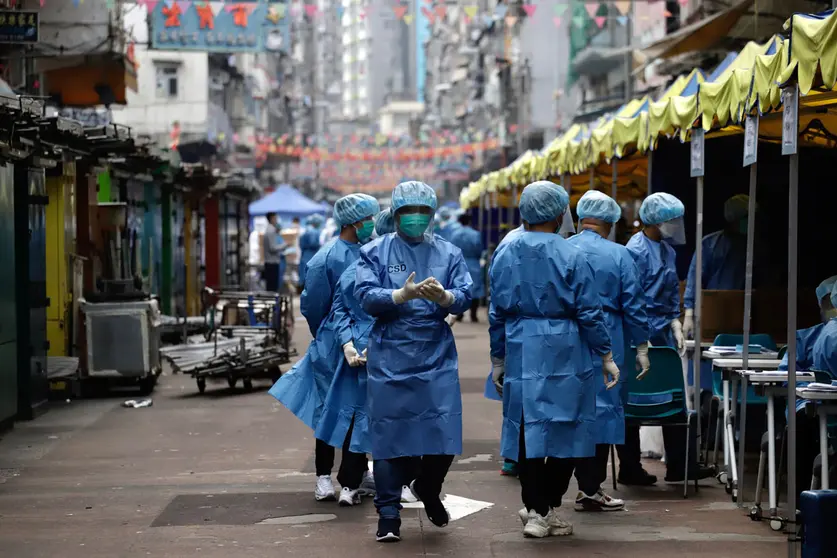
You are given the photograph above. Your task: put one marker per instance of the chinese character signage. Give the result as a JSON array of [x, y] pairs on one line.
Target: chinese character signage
[[18, 27], [209, 26]]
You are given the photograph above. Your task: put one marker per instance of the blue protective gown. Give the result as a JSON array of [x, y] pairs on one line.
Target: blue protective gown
[[805, 339], [304, 387], [346, 399], [824, 352], [447, 231], [724, 265], [658, 278], [469, 241], [623, 304], [324, 271], [491, 391], [545, 321], [413, 394], [309, 243]]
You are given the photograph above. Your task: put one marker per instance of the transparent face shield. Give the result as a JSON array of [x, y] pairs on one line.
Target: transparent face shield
[[674, 231], [567, 226]]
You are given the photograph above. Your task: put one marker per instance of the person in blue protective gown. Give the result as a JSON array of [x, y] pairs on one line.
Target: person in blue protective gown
[[309, 244], [662, 218], [344, 422], [724, 263], [409, 282], [545, 323], [469, 240], [812, 354], [617, 281], [303, 389]]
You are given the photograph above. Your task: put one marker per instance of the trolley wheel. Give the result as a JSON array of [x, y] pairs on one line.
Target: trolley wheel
[[248, 384], [201, 385], [755, 513], [231, 381], [722, 477], [777, 523]]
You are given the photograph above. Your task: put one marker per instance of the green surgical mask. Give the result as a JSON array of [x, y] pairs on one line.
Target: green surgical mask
[[413, 225], [364, 232], [742, 226]]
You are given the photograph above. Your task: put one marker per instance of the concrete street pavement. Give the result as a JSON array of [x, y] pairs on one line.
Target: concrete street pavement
[[230, 474]]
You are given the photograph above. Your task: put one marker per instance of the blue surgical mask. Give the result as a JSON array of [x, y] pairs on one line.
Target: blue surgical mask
[[364, 232], [413, 225]]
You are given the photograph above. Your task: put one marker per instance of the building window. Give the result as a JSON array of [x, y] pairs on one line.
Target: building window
[[166, 80]]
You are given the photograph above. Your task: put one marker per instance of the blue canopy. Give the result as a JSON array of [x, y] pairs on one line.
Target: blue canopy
[[287, 203]]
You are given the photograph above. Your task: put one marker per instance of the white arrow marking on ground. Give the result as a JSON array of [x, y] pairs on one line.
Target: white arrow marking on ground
[[478, 458], [457, 506]]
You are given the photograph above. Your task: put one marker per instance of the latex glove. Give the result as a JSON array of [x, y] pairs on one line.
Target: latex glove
[[498, 373], [433, 291], [352, 356], [610, 371], [689, 324], [679, 340], [643, 364], [451, 319], [410, 290]]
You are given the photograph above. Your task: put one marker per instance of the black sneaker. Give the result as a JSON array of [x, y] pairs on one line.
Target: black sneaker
[[640, 477], [700, 474], [389, 530], [436, 512]]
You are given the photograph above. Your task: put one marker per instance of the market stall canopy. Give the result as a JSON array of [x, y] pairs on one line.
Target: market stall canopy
[[286, 202]]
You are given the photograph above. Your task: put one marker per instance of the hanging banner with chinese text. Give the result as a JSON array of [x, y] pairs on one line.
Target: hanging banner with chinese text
[[238, 27]]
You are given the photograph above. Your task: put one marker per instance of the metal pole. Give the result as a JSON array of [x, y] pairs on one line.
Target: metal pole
[[793, 226], [629, 56], [696, 355], [649, 190], [480, 212], [514, 205], [612, 235], [748, 305], [592, 178]]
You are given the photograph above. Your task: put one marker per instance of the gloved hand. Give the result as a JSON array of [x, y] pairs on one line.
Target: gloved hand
[[643, 364], [689, 324], [679, 340], [498, 373], [433, 291], [352, 356], [410, 290], [451, 319], [610, 371]]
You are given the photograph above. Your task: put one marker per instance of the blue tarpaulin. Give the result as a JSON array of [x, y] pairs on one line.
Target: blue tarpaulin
[[286, 202]]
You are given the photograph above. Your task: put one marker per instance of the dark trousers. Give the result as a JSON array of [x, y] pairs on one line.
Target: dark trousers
[[592, 473], [272, 277], [674, 440], [475, 306], [428, 471], [352, 465], [543, 482], [323, 458], [807, 450]]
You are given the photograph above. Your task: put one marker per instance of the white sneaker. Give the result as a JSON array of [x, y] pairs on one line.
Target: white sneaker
[[558, 526], [598, 502], [407, 496], [367, 486], [324, 491], [537, 527], [523, 514], [349, 497]]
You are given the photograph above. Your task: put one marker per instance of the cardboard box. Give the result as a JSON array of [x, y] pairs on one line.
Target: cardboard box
[[723, 312]]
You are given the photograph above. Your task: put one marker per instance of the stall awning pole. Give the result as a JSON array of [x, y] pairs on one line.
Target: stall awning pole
[[697, 171], [649, 190], [790, 136], [750, 157], [592, 179], [615, 179]]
